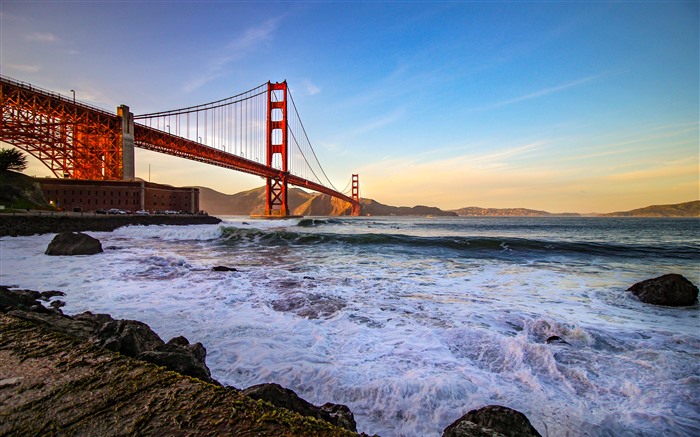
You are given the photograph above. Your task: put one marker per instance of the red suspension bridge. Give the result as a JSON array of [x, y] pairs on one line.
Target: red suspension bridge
[[258, 132]]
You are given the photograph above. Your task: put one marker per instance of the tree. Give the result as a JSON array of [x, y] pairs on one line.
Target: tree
[[12, 159]]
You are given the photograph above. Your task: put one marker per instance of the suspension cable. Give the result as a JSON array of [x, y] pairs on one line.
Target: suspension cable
[[309, 142]]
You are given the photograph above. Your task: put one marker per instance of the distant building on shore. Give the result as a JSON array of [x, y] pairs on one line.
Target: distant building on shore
[[91, 195]]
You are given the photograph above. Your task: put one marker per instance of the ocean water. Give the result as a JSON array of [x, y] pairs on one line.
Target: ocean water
[[412, 322]]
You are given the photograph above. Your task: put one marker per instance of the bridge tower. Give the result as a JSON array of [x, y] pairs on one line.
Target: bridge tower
[[356, 194], [277, 150]]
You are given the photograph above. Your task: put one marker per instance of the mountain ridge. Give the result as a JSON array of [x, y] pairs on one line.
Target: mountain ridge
[[685, 209], [313, 204]]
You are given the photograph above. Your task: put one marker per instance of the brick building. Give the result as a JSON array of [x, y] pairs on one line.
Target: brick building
[[91, 195]]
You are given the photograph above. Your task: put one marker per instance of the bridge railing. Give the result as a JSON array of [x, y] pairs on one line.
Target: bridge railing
[[47, 93]]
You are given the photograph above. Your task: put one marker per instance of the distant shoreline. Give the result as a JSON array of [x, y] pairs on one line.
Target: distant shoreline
[[33, 223]]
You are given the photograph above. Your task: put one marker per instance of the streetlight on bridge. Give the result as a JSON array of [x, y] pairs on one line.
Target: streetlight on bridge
[[73, 91]]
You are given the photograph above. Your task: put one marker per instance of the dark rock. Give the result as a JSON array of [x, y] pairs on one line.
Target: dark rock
[[128, 337], [137, 340], [182, 357], [73, 243], [46, 295], [223, 269], [556, 340], [669, 290], [339, 415], [25, 300], [493, 420], [57, 304]]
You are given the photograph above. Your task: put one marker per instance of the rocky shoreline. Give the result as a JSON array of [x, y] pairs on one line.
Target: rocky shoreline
[[14, 225], [92, 374]]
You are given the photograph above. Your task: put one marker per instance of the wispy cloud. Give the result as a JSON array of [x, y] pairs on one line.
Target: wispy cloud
[[41, 37], [377, 122], [311, 88], [539, 93], [235, 50], [24, 68]]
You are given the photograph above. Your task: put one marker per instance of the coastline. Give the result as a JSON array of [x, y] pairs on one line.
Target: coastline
[[102, 390], [33, 223], [53, 382]]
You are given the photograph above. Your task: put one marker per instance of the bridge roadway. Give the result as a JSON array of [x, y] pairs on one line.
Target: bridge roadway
[[159, 141]]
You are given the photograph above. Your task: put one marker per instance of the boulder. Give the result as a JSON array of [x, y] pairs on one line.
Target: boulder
[[669, 290], [223, 269], [73, 243], [339, 415], [128, 337], [182, 357], [493, 420]]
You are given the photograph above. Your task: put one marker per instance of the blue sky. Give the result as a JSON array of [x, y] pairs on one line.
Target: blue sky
[[562, 106]]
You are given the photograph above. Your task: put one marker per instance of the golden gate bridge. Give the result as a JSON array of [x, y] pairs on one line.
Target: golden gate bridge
[[258, 132]]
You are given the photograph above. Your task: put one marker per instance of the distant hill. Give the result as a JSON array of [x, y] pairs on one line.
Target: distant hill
[[302, 203], [372, 207], [687, 209], [474, 211], [246, 202]]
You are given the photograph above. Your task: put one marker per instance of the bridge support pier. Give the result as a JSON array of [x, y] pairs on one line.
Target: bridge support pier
[[276, 188], [356, 194], [127, 142]]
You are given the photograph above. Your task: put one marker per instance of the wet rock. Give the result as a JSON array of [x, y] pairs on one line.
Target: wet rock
[[73, 243], [309, 305], [339, 415], [493, 420], [136, 339], [555, 339], [669, 290], [182, 357], [57, 304], [18, 299], [128, 337], [223, 269], [46, 295]]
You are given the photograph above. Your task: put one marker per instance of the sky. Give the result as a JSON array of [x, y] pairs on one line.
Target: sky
[[558, 106]]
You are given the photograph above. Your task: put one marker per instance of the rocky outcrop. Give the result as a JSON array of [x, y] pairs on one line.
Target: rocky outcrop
[[493, 420], [339, 415], [52, 383], [135, 339], [128, 337], [73, 243], [668, 290]]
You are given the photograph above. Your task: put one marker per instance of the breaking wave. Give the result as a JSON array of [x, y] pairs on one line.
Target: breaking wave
[[465, 245]]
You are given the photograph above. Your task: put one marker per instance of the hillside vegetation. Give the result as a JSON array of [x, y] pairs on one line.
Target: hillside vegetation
[[686, 209], [18, 191]]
